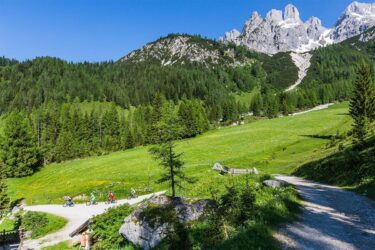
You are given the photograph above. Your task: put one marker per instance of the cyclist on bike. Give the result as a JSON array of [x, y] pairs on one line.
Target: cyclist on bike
[[92, 199], [69, 201], [111, 197], [133, 193]]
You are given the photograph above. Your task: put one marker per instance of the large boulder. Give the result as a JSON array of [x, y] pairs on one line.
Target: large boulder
[[275, 183], [153, 220]]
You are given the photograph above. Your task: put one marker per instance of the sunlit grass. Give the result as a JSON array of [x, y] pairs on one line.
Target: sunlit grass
[[272, 146]]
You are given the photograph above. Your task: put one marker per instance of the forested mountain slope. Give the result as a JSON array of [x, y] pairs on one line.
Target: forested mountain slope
[[176, 66], [338, 63], [199, 68]]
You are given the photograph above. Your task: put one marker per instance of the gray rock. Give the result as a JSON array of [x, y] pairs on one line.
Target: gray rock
[[180, 49], [357, 18], [149, 232], [367, 36], [217, 166], [282, 32], [275, 183]]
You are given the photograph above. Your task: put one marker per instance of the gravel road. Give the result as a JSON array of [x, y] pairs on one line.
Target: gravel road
[[76, 216], [332, 218]]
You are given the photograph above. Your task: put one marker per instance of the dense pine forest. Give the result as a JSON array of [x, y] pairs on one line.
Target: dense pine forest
[[42, 99]]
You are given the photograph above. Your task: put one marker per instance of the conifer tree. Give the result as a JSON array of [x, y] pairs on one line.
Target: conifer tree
[[362, 103], [19, 152], [4, 199], [156, 116], [167, 130], [66, 146], [256, 105]]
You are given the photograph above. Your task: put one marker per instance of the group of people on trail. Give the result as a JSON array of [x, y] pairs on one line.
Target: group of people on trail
[[111, 198]]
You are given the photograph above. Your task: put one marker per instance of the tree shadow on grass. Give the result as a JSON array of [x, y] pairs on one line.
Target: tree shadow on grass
[[254, 237], [346, 167], [325, 137]]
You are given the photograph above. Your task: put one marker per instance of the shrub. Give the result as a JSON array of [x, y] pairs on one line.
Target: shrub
[[41, 224], [105, 228]]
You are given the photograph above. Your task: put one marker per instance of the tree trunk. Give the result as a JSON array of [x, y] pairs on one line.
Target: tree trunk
[[171, 167]]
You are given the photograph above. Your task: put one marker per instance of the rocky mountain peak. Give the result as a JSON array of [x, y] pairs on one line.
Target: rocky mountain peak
[[285, 31], [255, 15], [360, 8], [232, 35], [357, 18], [314, 21], [275, 16], [291, 13]]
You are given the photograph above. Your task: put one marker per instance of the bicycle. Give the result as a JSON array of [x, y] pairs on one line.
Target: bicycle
[[91, 203], [68, 204]]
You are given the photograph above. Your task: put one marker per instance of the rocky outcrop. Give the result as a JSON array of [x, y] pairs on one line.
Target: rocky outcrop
[[285, 31], [367, 36], [184, 49], [153, 220], [275, 183], [235, 171], [170, 50]]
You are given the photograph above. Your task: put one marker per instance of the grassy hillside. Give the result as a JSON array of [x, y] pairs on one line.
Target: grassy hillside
[[272, 146], [245, 98], [353, 168]]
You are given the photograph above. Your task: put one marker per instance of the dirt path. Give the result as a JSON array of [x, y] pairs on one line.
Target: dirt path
[[332, 218], [319, 107], [76, 216]]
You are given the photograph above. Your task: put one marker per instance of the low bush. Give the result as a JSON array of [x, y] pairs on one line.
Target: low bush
[[105, 228], [41, 224]]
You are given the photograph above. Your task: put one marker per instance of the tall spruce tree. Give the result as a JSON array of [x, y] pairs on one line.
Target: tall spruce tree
[[4, 199], [362, 103], [19, 151]]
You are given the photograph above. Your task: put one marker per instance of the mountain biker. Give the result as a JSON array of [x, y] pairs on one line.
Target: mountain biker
[[111, 197], [69, 201], [133, 193], [92, 198]]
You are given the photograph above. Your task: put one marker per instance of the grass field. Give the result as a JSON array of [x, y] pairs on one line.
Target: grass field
[[245, 97], [272, 146], [7, 224]]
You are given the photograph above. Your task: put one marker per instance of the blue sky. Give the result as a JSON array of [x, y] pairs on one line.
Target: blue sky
[[97, 30]]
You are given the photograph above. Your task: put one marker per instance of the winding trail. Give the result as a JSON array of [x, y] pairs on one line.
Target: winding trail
[[76, 216], [331, 218]]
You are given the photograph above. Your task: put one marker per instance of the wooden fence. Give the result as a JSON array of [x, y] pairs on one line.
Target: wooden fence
[[9, 237]]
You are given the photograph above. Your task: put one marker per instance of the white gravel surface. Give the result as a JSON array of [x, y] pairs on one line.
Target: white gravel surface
[[320, 107], [76, 216], [302, 61], [332, 218]]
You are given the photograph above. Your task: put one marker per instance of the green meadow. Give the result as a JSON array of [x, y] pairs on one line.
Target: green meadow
[[272, 146]]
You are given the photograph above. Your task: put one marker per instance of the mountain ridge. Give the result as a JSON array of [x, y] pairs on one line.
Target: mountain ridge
[[285, 31]]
